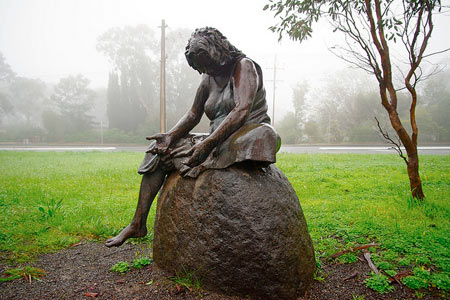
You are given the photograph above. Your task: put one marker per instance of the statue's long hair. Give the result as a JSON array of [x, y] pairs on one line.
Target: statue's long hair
[[217, 46]]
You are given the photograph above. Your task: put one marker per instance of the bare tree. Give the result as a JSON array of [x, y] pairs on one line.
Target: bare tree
[[370, 27]]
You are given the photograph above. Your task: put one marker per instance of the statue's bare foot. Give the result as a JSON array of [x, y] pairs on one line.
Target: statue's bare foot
[[129, 232]]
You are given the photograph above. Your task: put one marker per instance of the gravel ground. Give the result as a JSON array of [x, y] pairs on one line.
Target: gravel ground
[[82, 272]]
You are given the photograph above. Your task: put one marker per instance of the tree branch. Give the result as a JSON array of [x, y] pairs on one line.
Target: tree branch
[[437, 52], [396, 146]]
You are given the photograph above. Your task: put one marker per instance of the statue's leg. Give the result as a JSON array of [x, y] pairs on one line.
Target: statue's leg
[[150, 185]]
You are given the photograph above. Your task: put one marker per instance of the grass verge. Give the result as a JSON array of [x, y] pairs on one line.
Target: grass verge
[[50, 200]]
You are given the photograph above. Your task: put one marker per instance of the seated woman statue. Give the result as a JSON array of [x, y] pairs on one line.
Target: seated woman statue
[[232, 95]]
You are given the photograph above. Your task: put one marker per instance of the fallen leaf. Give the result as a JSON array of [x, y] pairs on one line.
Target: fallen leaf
[[401, 275], [150, 282], [180, 289], [91, 295]]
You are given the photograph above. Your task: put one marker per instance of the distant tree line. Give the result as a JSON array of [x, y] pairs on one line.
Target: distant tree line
[[340, 110], [344, 107], [126, 111], [31, 110], [134, 83]]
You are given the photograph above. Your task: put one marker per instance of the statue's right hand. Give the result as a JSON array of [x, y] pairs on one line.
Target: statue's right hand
[[163, 142]]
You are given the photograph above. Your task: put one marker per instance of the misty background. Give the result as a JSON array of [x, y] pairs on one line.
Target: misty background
[[78, 71]]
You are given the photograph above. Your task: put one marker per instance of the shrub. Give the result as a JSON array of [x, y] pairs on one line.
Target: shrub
[[141, 262], [378, 283]]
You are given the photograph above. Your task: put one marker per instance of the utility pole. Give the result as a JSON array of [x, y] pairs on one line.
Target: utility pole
[[274, 88], [329, 125], [162, 93], [101, 132]]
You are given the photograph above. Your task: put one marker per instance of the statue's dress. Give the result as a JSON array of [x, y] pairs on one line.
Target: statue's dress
[[254, 141]]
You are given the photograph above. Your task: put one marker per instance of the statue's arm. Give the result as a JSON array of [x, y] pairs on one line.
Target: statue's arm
[[194, 115], [190, 119]]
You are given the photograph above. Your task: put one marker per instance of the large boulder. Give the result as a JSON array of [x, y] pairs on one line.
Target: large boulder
[[241, 230]]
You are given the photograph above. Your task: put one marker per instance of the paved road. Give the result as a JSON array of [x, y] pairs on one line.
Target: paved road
[[435, 150]]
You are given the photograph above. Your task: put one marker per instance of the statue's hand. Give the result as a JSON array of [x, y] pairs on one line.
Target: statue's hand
[[197, 153], [163, 142]]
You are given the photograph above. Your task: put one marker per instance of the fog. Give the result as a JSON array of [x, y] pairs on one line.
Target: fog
[[54, 40]]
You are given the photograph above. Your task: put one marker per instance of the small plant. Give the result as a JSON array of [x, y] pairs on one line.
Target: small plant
[[348, 258], [419, 295], [422, 273], [318, 277], [422, 260], [414, 282], [390, 255], [121, 267], [148, 239], [318, 262], [26, 272], [187, 279], [378, 283], [358, 297], [384, 265], [404, 262], [391, 272], [141, 262], [420, 279], [441, 281], [52, 207]]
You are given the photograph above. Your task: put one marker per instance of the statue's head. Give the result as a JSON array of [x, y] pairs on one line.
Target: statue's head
[[208, 51]]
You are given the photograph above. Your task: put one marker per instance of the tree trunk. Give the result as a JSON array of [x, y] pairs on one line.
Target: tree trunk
[[412, 162], [414, 177]]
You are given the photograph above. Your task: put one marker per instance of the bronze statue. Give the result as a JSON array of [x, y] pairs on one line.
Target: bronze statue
[[232, 96]]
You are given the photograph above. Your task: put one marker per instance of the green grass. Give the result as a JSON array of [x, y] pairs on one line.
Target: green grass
[[351, 200], [51, 200], [26, 273]]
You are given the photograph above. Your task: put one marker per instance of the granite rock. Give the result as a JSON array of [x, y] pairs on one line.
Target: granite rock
[[240, 230]]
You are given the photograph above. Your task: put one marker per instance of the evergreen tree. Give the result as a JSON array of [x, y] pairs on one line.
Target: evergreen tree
[[114, 105], [132, 52]]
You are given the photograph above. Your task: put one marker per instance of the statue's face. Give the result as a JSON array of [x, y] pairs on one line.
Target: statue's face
[[202, 57]]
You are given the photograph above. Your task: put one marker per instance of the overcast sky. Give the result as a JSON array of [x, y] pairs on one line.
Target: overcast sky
[[50, 39]]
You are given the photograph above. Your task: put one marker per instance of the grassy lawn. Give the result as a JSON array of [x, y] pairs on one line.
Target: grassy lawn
[[50, 200]]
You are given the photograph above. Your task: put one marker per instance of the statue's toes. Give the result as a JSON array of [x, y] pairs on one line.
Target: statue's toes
[[113, 242]]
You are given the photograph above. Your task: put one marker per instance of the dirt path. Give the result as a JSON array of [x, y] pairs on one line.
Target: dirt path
[[82, 272]]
